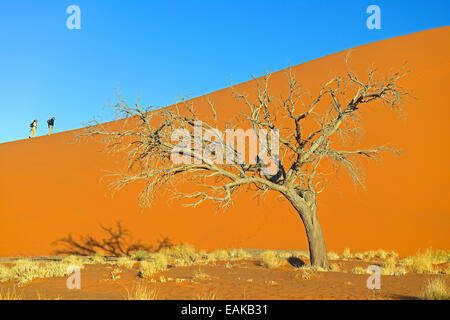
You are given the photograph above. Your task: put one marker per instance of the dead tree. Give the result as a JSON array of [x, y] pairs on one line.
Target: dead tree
[[315, 133]]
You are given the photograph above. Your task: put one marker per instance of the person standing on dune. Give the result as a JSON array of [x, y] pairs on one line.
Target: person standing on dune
[[33, 127], [51, 123]]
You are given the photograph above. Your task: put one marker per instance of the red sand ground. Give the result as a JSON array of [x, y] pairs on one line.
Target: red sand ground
[[50, 187], [236, 280]]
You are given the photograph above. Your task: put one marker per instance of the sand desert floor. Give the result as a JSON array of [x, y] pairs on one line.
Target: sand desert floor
[[234, 278]]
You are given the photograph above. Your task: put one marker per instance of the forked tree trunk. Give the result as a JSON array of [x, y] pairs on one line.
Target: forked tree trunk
[[308, 213]]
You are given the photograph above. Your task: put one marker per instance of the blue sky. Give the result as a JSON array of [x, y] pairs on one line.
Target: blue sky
[[163, 50]]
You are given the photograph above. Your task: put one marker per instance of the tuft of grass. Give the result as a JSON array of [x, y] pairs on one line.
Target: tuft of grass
[[425, 262], [393, 254], [98, 258], [313, 268], [148, 268], [160, 261], [306, 273], [10, 295], [346, 254], [301, 254], [358, 270], [74, 260], [200, 276], [125, 262], [436, 289], [140, 255], [332, 255], [270, 260], [220, 255], [207, 295], [4, 273], [284, 254], [438, 256], [241, 254], [421, 263], [181, 255], [369, 255], [44, 297], [359, 256], [115, 274], [334, 267], [390, 268], [380, 253], [142, 292]]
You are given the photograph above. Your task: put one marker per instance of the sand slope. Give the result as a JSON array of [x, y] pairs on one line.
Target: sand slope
[[50, 187]]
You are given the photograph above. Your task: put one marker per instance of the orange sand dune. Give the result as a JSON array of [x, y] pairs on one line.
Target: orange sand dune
[[50, 187]]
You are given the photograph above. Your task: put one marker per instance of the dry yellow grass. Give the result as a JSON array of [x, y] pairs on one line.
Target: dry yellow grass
[[380, 253], [160, 261], [358, 270], [306, 274], [200, 276], [125, 262], [393, 254], [207, 295], [240, 253], [181, 255], [140, 255], [391, 268], [332, 255], [115, 274], [270, 260], [420, 263], [436, 289], [7, 294], [44, 297], [425, 262], [143, 292], [220, 255], [26, 270], [359, 256], [334, 267], [346, 254], [75, 260], [148, 268], [98, 258], [368, 255]]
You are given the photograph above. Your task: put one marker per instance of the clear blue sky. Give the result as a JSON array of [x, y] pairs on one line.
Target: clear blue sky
[[166, 49]]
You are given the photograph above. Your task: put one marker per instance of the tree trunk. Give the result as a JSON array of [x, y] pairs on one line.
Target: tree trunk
[[308, 213], [317, 249]]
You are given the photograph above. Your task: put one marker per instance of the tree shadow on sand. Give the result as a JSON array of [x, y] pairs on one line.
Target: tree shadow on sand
[[117, 242], [296, 262]]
